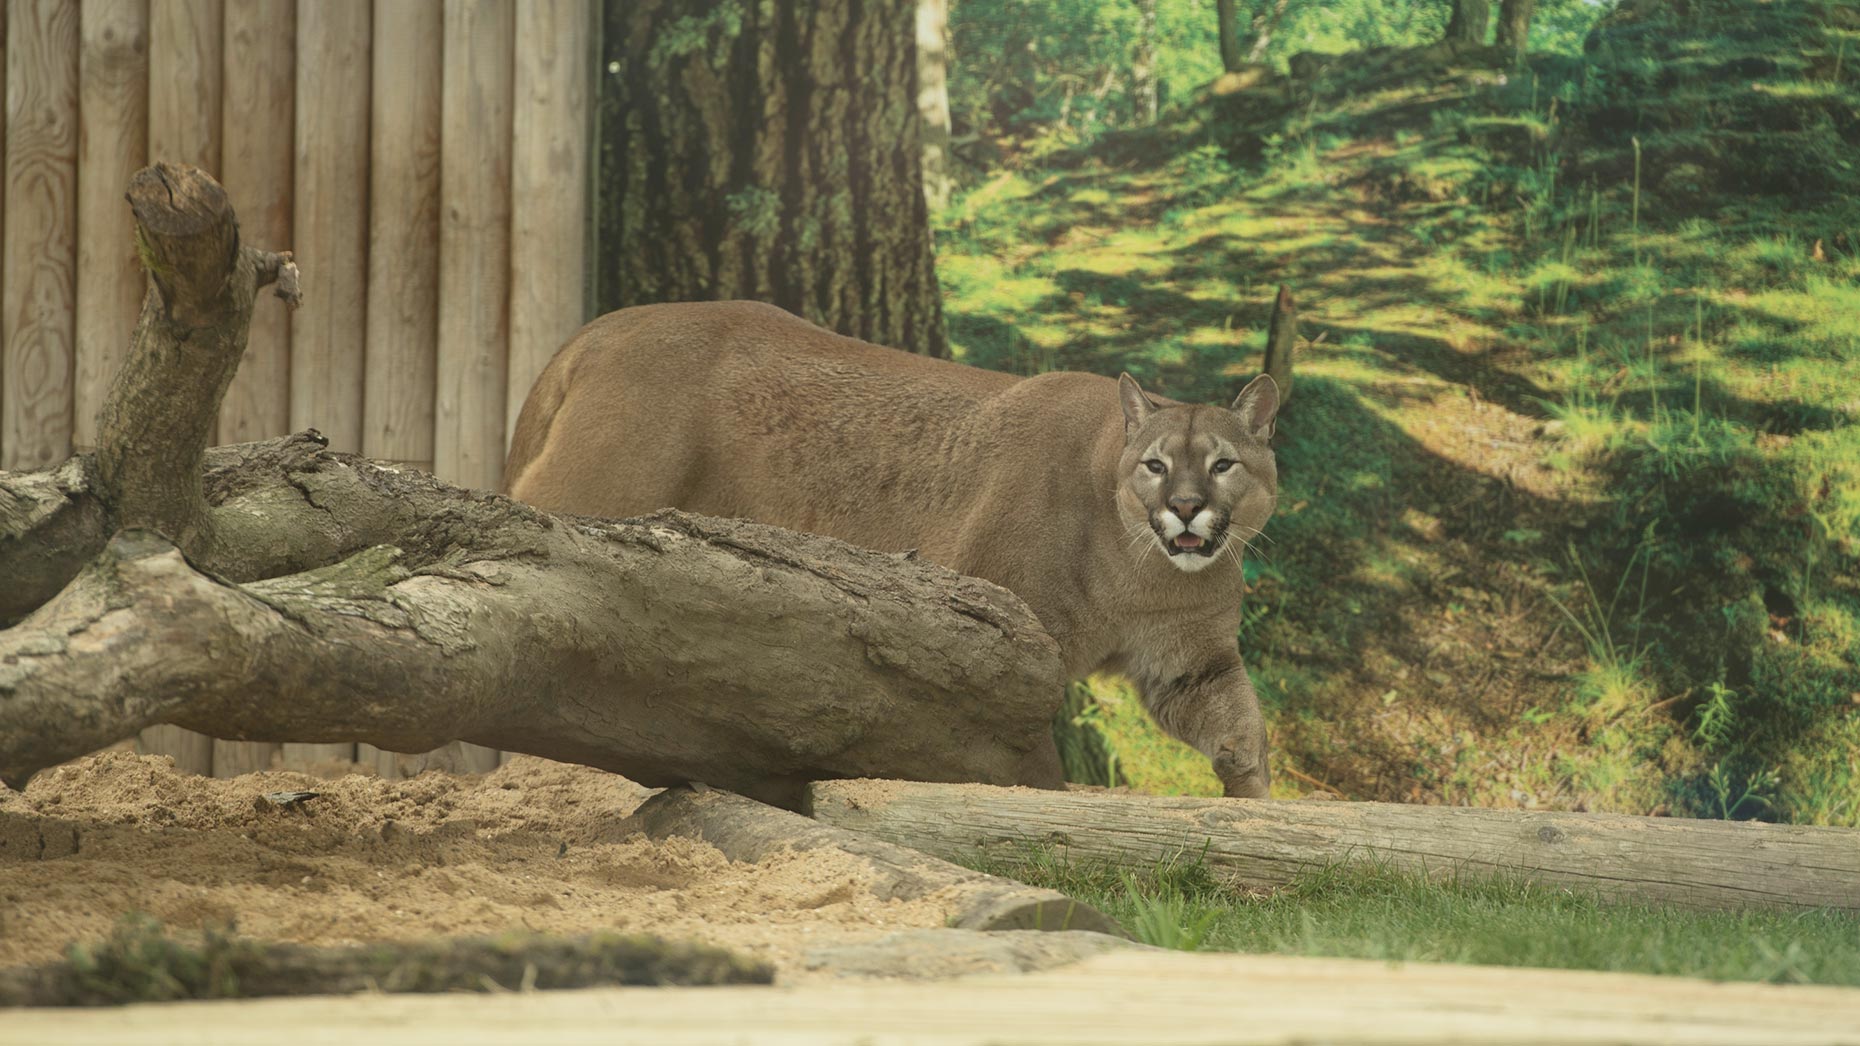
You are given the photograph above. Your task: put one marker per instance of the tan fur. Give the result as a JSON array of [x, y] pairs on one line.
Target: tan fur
[[1039, 484]]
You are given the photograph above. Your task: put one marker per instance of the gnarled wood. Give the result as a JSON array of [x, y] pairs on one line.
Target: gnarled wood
[[387, 607], [668, 649], [1706, 864], [748, 831], [154, 427]]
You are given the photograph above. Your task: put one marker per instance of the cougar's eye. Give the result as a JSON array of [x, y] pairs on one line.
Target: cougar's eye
[[1222, 466], [1156, 466]]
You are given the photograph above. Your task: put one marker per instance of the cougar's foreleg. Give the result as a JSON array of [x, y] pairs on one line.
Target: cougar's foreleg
[[1211, 706]]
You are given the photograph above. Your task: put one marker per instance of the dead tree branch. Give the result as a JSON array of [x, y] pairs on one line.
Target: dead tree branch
[[276, 592]]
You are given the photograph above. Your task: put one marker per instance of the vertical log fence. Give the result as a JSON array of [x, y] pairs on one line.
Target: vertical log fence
[[426, 160]]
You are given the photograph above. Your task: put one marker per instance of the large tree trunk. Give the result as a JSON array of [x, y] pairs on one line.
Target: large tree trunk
[[1143, 64], [1514, 25], [300, 595], [1227, 18], [1469, 21], [933, 97], [770, 151]]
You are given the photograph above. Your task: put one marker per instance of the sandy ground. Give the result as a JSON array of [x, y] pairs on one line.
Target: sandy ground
[[536, 845]]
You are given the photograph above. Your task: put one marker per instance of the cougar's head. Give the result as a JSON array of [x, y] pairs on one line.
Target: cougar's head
[[1201, 479]]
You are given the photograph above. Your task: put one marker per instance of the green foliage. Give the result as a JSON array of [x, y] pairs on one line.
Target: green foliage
[[1063, 69], [1085, 748], [1542, 378], [755, 211], [1370, 911], [713, 31], [1163, 915]]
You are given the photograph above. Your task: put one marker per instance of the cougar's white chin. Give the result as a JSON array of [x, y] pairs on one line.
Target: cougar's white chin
[[1190, 564]]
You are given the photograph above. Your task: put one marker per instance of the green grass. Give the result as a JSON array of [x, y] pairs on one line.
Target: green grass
[[1578, 444], [1367, 912]]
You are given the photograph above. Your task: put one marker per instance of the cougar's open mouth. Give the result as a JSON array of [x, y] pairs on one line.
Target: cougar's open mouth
[[1187, 542]]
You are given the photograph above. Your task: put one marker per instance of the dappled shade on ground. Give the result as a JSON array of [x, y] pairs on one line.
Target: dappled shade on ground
[[1569, 487]]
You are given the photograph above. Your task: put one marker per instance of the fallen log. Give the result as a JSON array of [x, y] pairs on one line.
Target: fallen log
[[276, 592], [745, 830], [1704, 864]]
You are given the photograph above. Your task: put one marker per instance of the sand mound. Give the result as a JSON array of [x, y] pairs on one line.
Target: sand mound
[[535, 845]]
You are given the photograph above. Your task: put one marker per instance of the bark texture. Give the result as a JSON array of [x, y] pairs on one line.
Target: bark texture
[[1514, 25], [187, 345], [1227, 22], [669, 650], [1702, 864], [1467, 24], [315, 597], [770, 151]]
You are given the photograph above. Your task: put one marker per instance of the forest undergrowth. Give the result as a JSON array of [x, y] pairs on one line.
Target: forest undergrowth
[[1570, 475]]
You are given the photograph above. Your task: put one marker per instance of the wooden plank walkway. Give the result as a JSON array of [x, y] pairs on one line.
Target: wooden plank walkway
[[1125, 997]]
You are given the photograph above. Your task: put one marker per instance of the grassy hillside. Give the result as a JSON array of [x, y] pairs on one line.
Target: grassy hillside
[[1570, 478]]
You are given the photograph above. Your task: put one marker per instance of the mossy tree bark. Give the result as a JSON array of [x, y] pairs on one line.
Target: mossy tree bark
[[770, 151], [1227, 18], [1469, 21], [1514, 25]]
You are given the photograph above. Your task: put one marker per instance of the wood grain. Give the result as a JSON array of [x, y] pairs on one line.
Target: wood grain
[[549, 188], [185, 38], [113, 70], [472, 325], [330, 218], [403, 267], [3, 108], [1706, 864], [257, 117], [330, 240], [474, 242], [747, 831], [38, 316], [186, 45], [403, 234]]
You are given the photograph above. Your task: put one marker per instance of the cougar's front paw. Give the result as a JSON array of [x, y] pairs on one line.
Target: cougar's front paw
[[1242, 770]]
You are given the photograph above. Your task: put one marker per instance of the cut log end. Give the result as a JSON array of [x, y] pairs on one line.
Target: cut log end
[[187, 237], [747, 831]]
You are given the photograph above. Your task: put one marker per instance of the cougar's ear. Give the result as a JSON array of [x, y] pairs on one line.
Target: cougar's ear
[[1258, 405], [1137, 405]]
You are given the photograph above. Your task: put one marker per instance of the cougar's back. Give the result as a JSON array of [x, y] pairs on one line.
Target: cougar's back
[[740, 409]]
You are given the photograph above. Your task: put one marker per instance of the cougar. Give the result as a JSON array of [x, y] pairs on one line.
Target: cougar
[[1118, 517]]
